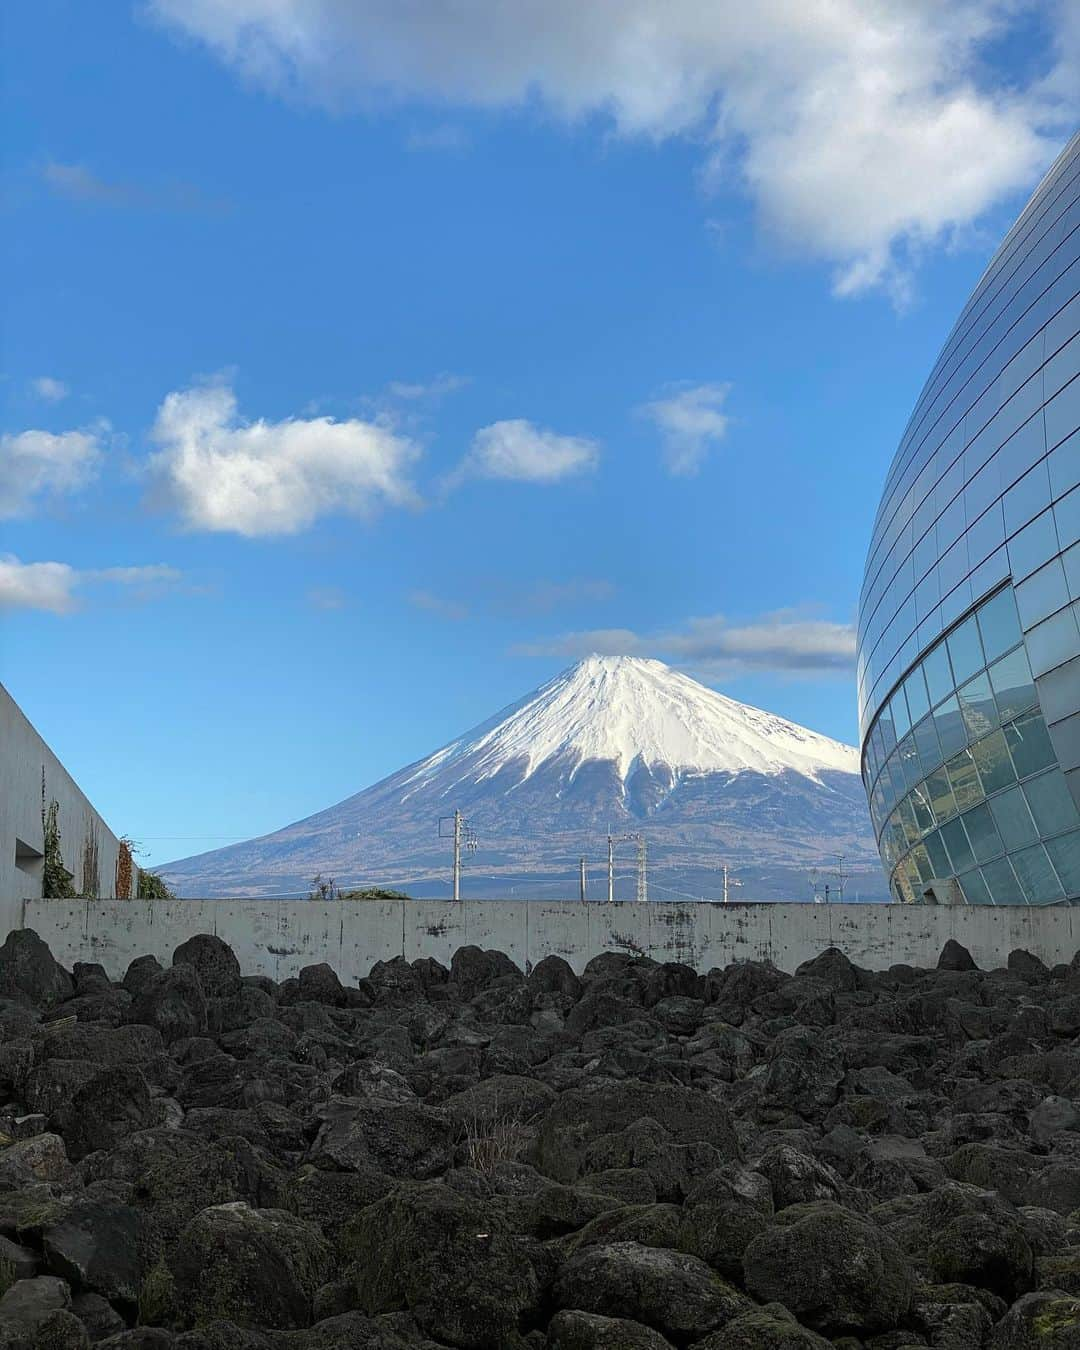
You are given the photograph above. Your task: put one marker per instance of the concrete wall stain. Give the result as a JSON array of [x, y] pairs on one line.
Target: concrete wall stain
[[279, 937]]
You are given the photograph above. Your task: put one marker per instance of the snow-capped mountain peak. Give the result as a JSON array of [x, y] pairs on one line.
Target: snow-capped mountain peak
[[628, 711]]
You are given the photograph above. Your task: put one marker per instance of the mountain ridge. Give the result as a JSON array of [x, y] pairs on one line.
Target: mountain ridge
[[611, 744]]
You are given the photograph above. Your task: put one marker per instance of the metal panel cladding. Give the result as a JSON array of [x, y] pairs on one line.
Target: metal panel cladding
[[969, 618]]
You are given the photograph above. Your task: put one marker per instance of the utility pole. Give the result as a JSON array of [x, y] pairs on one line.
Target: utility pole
[[642, 872], [610, 868], [581, 880], [457, 855], [463, 833], [728, 881], [840, 879]]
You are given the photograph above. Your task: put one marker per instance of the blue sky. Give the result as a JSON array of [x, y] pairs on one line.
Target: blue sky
[[360, 370]]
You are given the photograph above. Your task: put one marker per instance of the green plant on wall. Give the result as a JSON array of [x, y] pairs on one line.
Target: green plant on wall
[[151, 887], [57, 883]]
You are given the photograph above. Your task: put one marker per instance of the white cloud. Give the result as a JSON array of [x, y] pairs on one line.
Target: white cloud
[[52, 586], [525, 453], [434, 604], [261, 478], [861, 129], [77, 183], [52, 391], [36, 464], [690, 421], [787, 641]]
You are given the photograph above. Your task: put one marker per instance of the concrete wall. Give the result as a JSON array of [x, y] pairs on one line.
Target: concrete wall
[[23, 756], [277, 938]]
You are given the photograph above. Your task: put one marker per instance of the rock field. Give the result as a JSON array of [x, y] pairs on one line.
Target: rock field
[[636, 1158]]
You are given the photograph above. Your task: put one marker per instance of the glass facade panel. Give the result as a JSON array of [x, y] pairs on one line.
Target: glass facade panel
[[1050, 803], [1001, 883], [1029, 743], [969, 617], [978, 707], [941, 796], [926, 743], [956, 841], [974, 888], [939, 679], [998, 624], [1064, 853], [982, 833], [952, 734], [965, 649], [991, 756], [1036, 876], [917, 699], [1014, 689], [939, 859], [964, 780], [1012, 818]]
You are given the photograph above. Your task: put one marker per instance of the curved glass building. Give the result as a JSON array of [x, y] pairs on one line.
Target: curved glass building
[[969, 618]]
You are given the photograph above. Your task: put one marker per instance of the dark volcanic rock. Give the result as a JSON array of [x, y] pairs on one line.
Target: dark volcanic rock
[[255, 1267], [479, 1158], [29, 971], [99, 1247], [833, 1270], [213, 961], [450, 1261], [172, 1002], [673, 1292]]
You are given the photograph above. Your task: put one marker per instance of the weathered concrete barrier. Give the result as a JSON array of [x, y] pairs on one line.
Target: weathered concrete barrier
[[277, 938]]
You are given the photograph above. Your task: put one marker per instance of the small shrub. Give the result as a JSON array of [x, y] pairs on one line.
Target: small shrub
[[324, 888], [374, 893], [494, 1140], [151, 887]]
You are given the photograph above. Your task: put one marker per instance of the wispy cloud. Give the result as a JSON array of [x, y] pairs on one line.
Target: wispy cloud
[[443, 139], [55, 586], [519, 451], [35, 465], [222, 473], [439, 387], [78, 183], [787, 641], [327, 597], [691, 421], [434, 604], [863, 131], [49, 389], [545, 596]]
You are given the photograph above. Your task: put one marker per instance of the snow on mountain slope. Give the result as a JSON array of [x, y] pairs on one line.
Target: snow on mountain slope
[[628, 711], [614, 744]]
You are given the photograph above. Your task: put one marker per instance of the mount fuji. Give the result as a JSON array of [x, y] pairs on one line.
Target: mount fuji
[[617, 745]]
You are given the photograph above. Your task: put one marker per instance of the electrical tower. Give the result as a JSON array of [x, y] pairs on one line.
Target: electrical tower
[[642, 867], [463, 835]]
